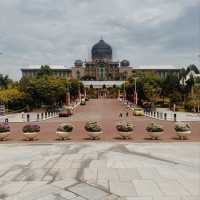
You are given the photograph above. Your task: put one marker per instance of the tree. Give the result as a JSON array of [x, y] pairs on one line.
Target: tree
[[88, 78], [148, 86], [196, 96], [151, 90], [192, 68], [12, 97], [75, 87], [45, 70], [170, 85], [46, 90], [4, 81]]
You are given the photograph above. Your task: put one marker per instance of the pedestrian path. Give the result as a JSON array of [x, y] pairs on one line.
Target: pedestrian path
[[100, 171]]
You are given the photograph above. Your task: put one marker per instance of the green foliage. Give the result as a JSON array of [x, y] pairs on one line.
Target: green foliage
[[125, 127], [45, 70], [65, 128], [13, 98], [153, 127], [75, 87], [92, 127], [31, 128], [4, 81], [43, 90], [4, 128], [88, 78], [192, 68], [148, 86], [182, 127]]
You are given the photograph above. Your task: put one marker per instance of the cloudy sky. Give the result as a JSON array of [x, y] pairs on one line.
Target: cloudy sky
[[146, 32]]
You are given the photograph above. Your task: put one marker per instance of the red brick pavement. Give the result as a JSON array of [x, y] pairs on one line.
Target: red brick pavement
[[106, 112]]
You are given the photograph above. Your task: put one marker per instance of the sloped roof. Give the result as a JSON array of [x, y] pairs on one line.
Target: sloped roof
[[99, 84], [54, 67], [154, 67]]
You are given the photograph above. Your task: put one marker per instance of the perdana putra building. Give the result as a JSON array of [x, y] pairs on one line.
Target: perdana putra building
[[101, 69]]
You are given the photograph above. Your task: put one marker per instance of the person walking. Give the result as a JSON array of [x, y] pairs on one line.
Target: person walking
[[120, 115], [126, 114]]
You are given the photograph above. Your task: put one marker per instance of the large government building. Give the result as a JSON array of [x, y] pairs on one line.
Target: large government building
[[101, 67]]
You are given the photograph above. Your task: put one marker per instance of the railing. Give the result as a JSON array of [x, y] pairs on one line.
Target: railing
[[173, 116], [29, 117], [161, 115]]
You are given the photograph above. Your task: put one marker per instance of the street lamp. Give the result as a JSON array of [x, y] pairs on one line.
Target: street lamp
[[79, 91], [135, 92], [67, 95], [124, 88]]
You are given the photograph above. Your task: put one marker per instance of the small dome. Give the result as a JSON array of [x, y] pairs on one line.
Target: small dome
[[78, 63], [124, 63], [101, 50]]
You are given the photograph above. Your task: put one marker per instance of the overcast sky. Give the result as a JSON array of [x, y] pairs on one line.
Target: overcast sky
[[146, 32]]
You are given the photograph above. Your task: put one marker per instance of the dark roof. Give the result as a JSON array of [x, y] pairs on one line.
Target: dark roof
[[101, 50], [125, 63], [78, 62]]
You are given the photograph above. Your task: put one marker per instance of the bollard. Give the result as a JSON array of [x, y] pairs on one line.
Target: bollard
[[38, 117], [28, 118], [158, 115], [42, 115], [45, 114], [175, 117], [6, 121], [165, 116], [154, 114]]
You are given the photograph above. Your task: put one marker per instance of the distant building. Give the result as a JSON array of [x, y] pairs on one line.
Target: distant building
[[57, 70], [191, 74], [161, 70], [101, 67]]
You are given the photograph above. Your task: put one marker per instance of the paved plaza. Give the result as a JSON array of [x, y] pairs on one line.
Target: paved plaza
[[106, 112], [100, 171], [107, 169]]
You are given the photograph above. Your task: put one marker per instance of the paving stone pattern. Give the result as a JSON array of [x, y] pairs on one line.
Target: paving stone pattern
[[100, 171]]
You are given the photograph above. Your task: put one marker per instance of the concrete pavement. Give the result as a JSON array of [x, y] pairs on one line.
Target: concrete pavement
[[100, 171]]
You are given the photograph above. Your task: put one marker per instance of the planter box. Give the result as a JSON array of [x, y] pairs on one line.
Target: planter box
[[4, 135], [126, 135], [94, 135], [67, 114], [30, 136], [183, 134], [63, 135], [155, 135]]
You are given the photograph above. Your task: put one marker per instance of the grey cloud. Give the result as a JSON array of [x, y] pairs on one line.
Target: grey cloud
[[58, 32]]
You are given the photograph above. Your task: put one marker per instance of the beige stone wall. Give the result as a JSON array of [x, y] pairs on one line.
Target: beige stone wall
[[76, 70]]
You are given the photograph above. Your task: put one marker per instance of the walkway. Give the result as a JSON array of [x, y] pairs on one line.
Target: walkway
[[106, 112], [100, 171]]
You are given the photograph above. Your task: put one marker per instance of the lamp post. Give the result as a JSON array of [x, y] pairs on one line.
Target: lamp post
[[79, 91], [135, 92], [125, 89], [67, 96]]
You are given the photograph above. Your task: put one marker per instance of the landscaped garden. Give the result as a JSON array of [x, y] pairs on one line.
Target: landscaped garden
[[95, 119]]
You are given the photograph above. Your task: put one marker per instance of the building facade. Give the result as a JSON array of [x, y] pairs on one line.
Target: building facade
[[101, 67]]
